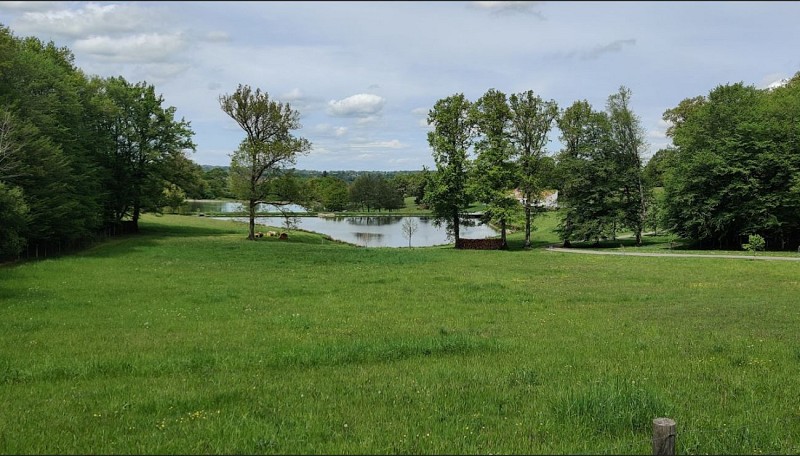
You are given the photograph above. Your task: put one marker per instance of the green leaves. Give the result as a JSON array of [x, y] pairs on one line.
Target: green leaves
[[733, 170], [453, 133], [268, 146], [754, 243]]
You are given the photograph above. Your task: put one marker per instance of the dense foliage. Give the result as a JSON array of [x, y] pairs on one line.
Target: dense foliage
[[83, 156], [78, 154], [736, 167], [602, 188]]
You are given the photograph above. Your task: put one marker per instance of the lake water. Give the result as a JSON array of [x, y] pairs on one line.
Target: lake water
[[376, 231], [227, 207]]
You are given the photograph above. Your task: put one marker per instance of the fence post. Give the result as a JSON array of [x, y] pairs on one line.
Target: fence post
[[663, 437]]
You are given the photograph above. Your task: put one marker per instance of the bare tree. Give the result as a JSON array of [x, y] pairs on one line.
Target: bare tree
[[410, 227]]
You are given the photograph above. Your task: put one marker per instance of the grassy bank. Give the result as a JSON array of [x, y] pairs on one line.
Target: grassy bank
[[189, 339]]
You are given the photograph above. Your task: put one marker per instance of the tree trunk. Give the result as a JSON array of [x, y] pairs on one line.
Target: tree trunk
[[456, 226], [504, 244], [642, 211], [252, 235], [137, 211], [527, 244]]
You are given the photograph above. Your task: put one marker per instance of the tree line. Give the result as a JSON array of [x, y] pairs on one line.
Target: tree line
[[487, 150], [83, 156], [733, 170], [322, 190], [80, 155]]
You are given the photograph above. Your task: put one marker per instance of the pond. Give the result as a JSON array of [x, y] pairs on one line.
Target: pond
[[229, 207], [385, 231]]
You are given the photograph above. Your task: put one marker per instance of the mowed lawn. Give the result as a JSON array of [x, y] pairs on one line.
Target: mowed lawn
[[189, 339]]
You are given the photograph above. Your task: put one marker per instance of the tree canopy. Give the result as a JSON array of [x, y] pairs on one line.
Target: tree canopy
[[78, 154], [268, 147], [736, 166]]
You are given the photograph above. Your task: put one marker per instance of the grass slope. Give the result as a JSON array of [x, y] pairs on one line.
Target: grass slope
[[189, 339]]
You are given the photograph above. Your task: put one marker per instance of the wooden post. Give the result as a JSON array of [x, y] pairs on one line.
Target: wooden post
[[663, 437]]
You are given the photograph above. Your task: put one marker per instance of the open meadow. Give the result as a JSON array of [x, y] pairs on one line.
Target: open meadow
[[189, 339]]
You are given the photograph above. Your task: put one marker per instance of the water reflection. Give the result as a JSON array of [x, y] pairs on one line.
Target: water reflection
[[377, 221], [230, 207], [366, 239], [378, 231]]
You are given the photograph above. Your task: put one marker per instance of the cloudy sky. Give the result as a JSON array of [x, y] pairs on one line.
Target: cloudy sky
[[364, 75]]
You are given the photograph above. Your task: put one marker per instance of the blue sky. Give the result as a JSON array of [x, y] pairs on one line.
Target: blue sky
[[363, 75]]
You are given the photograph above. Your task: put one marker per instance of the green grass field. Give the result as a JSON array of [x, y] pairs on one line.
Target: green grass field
[[189, 339]]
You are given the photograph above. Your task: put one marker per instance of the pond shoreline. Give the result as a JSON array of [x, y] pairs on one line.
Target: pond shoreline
[[372, 230]]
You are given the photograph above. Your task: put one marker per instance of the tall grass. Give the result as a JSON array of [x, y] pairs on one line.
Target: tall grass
[[190, 339]]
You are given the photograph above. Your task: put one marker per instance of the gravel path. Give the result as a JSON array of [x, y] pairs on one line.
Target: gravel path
[[680, 255]]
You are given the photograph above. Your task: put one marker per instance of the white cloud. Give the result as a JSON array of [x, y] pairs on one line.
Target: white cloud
[[28, 6], [292, 95], [597, 51], [509, 7], [366, 120], [392, 144], [362, 105], [420, 111], [773, 81], [329, 130], [91, 19], [136, 48]]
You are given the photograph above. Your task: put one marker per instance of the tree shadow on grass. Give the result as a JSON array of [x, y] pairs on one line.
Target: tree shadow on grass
[[649, 241], [149, 234], [157, 229]]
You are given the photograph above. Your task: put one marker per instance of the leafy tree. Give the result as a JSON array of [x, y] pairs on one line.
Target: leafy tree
[[148, 148], [754, 243], [493, 170], [173, 197], [42, 96], [373, 191], [287, 189], [451, 138], [424, 182], [331, 193], [217, 183], [628, 139], [548, 173], [268, 146], [587, 171], [13, 219], [13, 211], [736, 166], [389, 196], [656, 167], [531, 121], [365, 191], [9, 149]]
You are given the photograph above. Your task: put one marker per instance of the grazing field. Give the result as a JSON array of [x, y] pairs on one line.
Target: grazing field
[[189, 339]]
